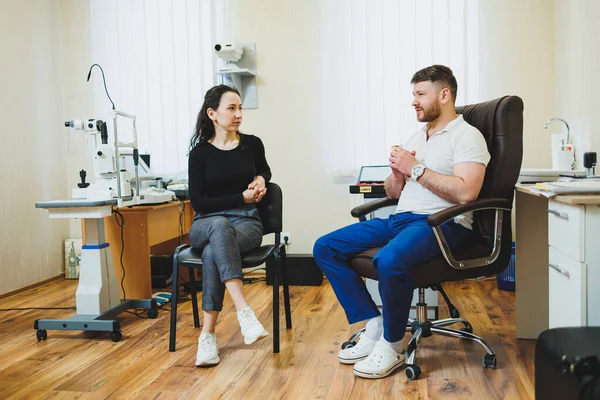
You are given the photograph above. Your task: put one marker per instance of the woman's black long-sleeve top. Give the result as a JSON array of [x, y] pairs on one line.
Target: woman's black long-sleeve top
[[217, 178]]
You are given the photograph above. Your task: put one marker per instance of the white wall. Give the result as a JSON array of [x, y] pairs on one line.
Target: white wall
[[517, 48], [547, 59], [32, 161], [286, 119], [76, 59], [518, 57], [577, 70], [287, 46]]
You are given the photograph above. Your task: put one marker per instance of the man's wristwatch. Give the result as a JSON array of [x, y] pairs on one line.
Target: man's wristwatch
[[417, 171]]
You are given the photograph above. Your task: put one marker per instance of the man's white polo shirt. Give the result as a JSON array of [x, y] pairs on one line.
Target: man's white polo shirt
[[458, 142]]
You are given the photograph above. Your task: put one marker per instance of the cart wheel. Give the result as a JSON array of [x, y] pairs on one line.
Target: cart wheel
[[347, 345], [454, 313], [489, 361], [41, 334], [152, 313], [413, 371], [116, 336]]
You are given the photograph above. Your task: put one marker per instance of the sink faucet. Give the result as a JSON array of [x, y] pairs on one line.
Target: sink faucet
[[564, 122]]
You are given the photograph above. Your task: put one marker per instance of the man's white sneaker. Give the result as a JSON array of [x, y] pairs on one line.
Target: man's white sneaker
[[252, 329], [208, 351], [359, 352], [382, 361]]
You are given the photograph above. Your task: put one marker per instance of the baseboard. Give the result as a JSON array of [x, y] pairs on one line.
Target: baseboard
[[32, 286], [302, 270]]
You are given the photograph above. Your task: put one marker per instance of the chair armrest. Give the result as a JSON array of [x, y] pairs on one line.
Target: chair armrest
[[180, 248], [440, 217], [437, 219], [371, 206]]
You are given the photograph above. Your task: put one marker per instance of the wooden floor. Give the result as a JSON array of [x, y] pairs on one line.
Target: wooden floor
[[82, 365]]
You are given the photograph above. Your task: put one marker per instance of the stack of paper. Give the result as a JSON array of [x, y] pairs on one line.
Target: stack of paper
[[568, 187]]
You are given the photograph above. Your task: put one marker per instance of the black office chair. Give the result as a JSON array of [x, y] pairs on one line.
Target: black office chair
[[501, 123], [271, 215], [567, 363]]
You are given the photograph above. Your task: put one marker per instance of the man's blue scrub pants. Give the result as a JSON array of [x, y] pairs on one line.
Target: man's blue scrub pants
[[407, 242]]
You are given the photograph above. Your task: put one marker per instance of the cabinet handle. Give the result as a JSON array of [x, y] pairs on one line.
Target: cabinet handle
[[560, 270], [558, 213]]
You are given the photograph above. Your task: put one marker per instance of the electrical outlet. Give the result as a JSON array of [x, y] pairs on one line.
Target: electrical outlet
[[287, 235]]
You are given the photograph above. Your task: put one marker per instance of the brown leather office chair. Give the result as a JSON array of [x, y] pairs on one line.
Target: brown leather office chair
[[501, 123]]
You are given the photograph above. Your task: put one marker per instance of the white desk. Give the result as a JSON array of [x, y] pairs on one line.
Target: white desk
[[558, 261]]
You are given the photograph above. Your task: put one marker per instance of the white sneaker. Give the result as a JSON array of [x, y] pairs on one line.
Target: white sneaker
[[252, 329], [382, 361], [208, 351], [359, 352]]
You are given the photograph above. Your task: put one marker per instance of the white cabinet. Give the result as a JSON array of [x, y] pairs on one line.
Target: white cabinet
[[573, 264], [592, 252], [567, 277], [566, 229]]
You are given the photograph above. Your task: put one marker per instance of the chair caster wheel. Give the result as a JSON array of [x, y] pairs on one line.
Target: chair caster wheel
[[347, 345], [489, 361], [116, 336], [152, 313], [454, 313], [413, 372], [41, 334]]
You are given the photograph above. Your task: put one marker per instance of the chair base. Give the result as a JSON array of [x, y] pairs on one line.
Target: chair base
[[421, 328], [280, 275]]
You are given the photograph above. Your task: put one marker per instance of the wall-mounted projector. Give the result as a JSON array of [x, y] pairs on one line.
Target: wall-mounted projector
[[229, 51]]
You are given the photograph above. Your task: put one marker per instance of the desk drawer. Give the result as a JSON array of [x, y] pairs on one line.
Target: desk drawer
[[567, 291], [566, 229]]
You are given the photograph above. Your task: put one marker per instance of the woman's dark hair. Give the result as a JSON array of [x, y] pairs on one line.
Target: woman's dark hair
[[205, 129]]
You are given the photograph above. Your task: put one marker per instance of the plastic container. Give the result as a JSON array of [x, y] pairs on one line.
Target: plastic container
[[506, 280]]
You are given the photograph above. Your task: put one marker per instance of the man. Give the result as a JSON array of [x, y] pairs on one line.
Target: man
[[441, 165]]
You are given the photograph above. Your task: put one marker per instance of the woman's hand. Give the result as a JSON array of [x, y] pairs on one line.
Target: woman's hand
[[258, 185], [258, 182], [250, 196]]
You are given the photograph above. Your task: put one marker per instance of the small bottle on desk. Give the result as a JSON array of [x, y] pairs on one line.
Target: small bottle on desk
[[589, 162]]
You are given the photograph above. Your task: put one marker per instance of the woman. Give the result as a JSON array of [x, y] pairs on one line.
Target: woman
[[227, 176]]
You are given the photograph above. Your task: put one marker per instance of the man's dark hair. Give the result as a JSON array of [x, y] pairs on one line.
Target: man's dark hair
[[439, 75]]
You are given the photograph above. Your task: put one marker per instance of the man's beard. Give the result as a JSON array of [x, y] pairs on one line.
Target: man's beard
[[432, 113]]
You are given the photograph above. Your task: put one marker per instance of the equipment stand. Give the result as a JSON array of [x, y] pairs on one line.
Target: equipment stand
[[98, 298]]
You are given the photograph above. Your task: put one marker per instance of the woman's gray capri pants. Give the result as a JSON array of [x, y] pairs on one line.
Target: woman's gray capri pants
[[223, 237]]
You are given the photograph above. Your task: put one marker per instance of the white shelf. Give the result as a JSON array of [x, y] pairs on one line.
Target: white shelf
[[242, 76], [241, 72]]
